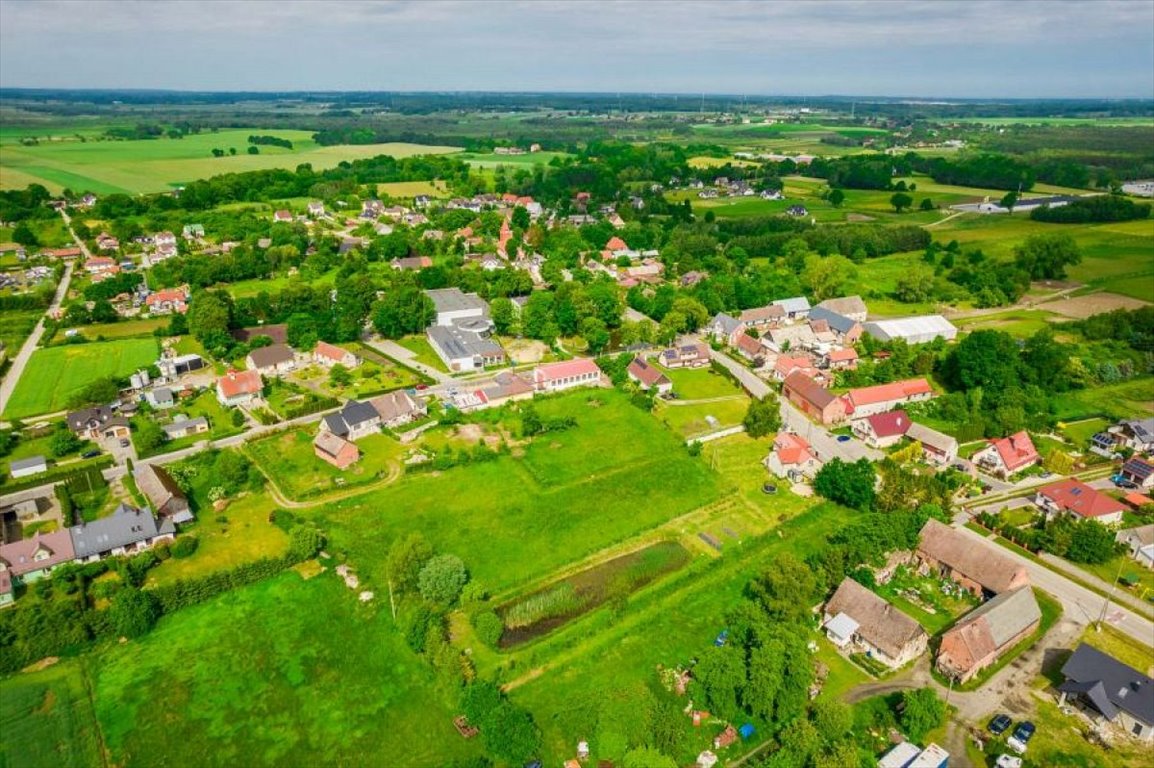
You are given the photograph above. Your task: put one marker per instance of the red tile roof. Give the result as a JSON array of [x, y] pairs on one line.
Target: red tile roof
[[1137, 500], [747, 343], [240, 383], [882, 393], [578, 366], [841, 355], [791, 449], [889, 423], [809, 390], [1016, 450], [330, 351], [20, 556], [616, 244], [167, 295], [646, 373], [1080, 499]]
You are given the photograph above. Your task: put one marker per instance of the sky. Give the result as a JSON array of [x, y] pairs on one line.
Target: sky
[[924, 48]]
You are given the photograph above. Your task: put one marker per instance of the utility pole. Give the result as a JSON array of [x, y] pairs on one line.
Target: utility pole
[[1106, 600]]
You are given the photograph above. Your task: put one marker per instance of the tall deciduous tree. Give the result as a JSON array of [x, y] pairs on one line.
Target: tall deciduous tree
[[403, 311], [900, 201], [849, 484], [763, 417]]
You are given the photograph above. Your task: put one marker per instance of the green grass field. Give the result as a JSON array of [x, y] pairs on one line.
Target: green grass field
[[423, 351], [1128, 399], [54, 374], [288, 458], [47, 720], [283, 672], [613, 476], [159, 164], [122, 330], [15, 326]]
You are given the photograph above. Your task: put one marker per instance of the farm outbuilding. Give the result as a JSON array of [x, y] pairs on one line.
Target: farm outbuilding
[[913, 330]]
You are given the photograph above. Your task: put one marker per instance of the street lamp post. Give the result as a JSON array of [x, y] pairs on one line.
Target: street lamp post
[[1110, 596]]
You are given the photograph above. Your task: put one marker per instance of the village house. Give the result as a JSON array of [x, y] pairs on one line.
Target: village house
[[762, 317], [796, 308], [1139, 543], [980, 570], [750, 348], [165, 238], [125, 531], [850, 306], [273, 360], [866, 401], [193, 232], [841, 359], [160, 398], [723, 329], [881, 430], [398, 408], [95, 423], [845, 330], [101, 265], [857, 619], [162, 492], [353, 421], [239, 387], [1136, 434], [983, 635], [328, 355], [812, 399], [695, 355], [282, 216], [792, 458], [557, 377], [1007, 456], [937, 448], [316, 209], [1074, 498], [1138, 472], [647, 376], [106, 242], [27, 560], [335, 450], [167, 301], [182, 426], [1108, 690]]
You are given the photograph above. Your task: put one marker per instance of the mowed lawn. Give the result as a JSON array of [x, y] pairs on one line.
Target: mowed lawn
[[283, 672], [156, 165], [55, 373], [289, 460], [615, 475], [46, 720]]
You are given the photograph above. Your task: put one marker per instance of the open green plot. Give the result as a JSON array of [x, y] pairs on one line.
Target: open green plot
[[1128, 399], [284, 672], [515, 519], [156, 165], [122, 330], [239, 533], [701, 383], [490, 160], [16, 326], [1079, 432], [288, 459], [56, 373], [47, 720], [666, 624], [1018, 322], [423, 352], [702, 418]]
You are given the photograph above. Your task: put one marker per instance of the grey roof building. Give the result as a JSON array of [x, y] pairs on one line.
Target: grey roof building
[[355, 418], [462, 349], [723, 325], [454, 304], [798, 306], [1115, 690], [29, 466], [839, 323], [126, 528], [162, 493]]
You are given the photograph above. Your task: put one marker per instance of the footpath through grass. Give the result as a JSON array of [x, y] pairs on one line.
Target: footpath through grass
[[56, 373]]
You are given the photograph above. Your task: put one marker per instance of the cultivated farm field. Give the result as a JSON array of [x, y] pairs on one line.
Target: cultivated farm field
[[55, 373], [157, 165]]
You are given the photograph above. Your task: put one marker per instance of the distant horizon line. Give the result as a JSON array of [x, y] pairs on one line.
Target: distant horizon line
[[937, 99]]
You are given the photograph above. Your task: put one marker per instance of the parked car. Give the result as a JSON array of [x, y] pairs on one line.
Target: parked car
[[1008, 761], [1122, 482], [90, 454], [1000, 724], [1024, 732]]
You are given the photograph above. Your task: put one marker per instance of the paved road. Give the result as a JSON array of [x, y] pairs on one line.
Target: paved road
[[1079, 604], [8, 385], [397, 352], [753, 384]]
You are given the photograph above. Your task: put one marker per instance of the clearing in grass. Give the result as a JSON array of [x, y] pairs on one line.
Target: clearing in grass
[[289, 461], [56, 373]]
